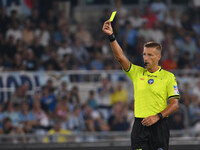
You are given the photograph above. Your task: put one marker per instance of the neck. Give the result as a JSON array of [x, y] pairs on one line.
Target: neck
[[154, 69]]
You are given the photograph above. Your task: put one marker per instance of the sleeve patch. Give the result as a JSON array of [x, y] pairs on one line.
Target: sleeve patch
[[176, 89]]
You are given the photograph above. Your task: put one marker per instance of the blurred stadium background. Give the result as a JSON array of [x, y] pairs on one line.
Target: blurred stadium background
[[60, 87]]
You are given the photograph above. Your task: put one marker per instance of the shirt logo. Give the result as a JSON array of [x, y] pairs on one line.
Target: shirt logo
[[141, 78], [150, 81], [176, 89]]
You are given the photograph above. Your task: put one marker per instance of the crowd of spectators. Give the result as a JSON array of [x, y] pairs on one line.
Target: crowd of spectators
[[61, 110], [53, 42]]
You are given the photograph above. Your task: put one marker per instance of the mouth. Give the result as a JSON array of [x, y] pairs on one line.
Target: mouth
[[146, 63]]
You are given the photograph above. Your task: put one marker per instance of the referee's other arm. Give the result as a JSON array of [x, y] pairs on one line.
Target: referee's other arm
[[116, 49], [173, 106]]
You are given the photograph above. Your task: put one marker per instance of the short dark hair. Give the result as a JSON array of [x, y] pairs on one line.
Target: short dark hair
[[153, 45]]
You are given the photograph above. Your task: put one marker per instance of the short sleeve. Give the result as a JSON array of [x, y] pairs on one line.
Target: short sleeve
[[172, 88], [133, 71]]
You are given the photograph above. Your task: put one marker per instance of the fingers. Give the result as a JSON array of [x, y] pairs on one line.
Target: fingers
[[147, 122], [107, 28], [108, 22]]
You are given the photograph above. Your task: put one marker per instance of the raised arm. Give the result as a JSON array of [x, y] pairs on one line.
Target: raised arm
[[116, 49]]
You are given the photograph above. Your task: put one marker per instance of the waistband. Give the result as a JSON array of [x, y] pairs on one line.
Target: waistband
[[140, 119]]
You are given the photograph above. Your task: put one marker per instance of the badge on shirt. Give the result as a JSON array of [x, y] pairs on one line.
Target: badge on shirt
[[176, 89], [150, 81]]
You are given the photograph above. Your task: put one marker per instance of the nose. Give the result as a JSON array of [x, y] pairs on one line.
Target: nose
[[145, 58]]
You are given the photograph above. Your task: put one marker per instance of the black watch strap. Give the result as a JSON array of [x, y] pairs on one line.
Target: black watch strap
[[111, 37], [160, 116]]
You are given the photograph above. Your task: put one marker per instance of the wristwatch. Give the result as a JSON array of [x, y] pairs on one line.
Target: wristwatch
[[111, 37], [160, 116]]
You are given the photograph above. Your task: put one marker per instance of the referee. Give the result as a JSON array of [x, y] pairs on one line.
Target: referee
[[153, 87]]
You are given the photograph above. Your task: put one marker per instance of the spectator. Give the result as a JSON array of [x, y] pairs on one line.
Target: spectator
[[18, 63], [30, 63], [60, 35], [50, 86], [2, 115], [119, 94], [28, 129], [172, 19], [176, 121], [184, 61], [9, 129], [194, 110], [122, 12], [97, 63], [80, 53], [188, 45], [104, 92], [12, 112], [170, 47], [63, 50], [52, 62], [51, 20], [159, 8], [156, 34], [74, 96], [38, 49], [186, 22], [39, 115], [60, 134], [196, 89], [19, 96], [93, 120], [27, 33], [43, 34], [150, 17], [48, 100], [26, 115], [14, 31], [5, 21], [128, 37], [169, 63], [62, 90], [117, 121], [76, 121], [62, 111], [34, 18], [143, 32], [135, 19], [9, 50], [92, 100], [84, 36]]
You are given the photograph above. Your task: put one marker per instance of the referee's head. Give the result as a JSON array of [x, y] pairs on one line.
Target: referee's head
[[151, 55]]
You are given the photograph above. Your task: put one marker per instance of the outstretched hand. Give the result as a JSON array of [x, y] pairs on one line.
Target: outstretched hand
[[107, 28]]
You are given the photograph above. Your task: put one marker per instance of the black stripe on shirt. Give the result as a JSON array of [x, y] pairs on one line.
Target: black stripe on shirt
[[129, 68], [174, 96]]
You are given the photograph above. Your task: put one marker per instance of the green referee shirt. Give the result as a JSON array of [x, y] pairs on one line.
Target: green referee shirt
[[151, 90]]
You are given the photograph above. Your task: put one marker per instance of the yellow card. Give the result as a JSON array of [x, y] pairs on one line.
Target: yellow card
[[113, 16]]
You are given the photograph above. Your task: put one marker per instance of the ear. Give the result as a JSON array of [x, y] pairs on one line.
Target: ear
[[159, 56]]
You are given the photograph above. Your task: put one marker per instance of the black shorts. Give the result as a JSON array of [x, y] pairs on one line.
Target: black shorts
[[155, 137]]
